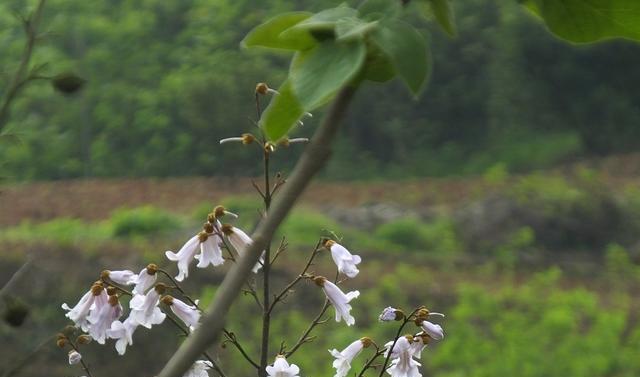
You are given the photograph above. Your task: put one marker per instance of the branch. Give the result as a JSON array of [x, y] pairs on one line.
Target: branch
[[21, 77], [16, 276], [304, 338], [312, 160]]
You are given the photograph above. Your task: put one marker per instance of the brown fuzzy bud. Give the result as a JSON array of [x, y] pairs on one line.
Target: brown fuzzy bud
[[409, 337], [247, 139], [366, 342], [208, 227], [113, 300], [262, 88], [203, 236], [105, 274], [218, 211], [422, 314], [227, 229], [269, 147], [96, 289], [112, 291], [83, 339], [319, 280], [160, 288], [211, 218], [152, 268], [167, 300], [61, 342]]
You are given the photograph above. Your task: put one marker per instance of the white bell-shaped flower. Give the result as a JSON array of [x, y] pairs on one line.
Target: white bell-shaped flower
[[123, 277], [344, 260], [281, 368], [101, 319], [185, 256], [343, 360], [146, 279], [199, 369], [210, 252], [402, 362], [433, 330], [79, 313], [420, 342], [390, 314], [145, 310], [122, 332], [188, 314], [240, 242], [338, 299]]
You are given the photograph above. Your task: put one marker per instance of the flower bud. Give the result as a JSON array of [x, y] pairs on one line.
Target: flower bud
[[152, 268], [62, 342], [112, 291], [247, 139], [261, 88], [83, 339], [160, 288], [74, 357], [104, 274], [167, 300], [211, 218], [391, 314]]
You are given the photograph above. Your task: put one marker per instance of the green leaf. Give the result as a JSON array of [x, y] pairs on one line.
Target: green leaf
[[379, 9], [316, 75], [378, 66], [269, 34], [444, 15], [325, 20], [351, 29], [407, 49], [583, 21], [282, 114]]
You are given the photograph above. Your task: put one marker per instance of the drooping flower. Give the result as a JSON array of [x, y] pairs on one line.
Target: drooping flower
[[199, 369], [122, 332], [433, 330], [391, 314], [124, 277], [281, 368], [146, 279], [420, 341], [402, 362], [185, 256], [338, 299], [74, 357], [241, 241], [91, 300], [344, 260], [144, 308], [342, 363], [210, 251], [101, 320], [190, 315]]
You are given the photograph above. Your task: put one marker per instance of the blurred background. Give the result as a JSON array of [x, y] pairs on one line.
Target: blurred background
[[506, 197]]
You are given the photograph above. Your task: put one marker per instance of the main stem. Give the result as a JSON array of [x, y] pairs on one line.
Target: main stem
[[266, 268], [310, 163]]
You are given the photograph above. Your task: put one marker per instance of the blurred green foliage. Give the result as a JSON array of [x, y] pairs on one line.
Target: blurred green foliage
[[142, 221], [166, 80], [438, 237]]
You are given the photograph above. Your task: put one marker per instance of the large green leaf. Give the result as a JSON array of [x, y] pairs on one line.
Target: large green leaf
[[316, 75], [282, 114], [269, 34], [351, 29], [327, 19], [379, 9], [584, 21], [407, 49], [444, 15]]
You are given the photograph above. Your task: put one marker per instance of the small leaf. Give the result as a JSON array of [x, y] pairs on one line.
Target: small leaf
[[269, 34], [407, 49], [316, 75], [583, 21], [351, 29], [282, 114], [444, 15], [325, 20], [379, 9]]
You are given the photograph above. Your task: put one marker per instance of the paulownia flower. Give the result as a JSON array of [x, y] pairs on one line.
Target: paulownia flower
[[241, 241], [199, 369], [92, 300], [100, 320], [190, 315], [402, 362], [146, 279], [145, 310], [344, 260], [74, 357], [338, 299], [124, 277], [342, 363], [281, 368], [122, 332]]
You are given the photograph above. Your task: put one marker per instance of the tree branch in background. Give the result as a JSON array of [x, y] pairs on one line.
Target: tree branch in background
[[312, 160], [22, 75]]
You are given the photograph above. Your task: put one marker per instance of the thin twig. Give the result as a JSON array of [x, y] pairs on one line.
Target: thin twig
[[312, 160], [286, 289], [281, 248], [16, 276], [369, 362], [305, 335], [234, 340]]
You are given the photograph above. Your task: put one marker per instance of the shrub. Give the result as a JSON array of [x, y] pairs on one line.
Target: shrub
[[410, 233], [147, 220]]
